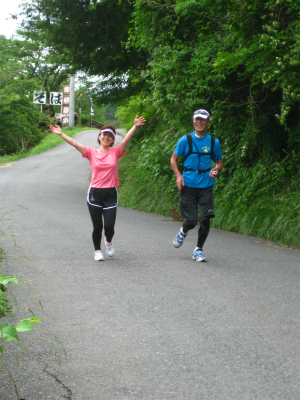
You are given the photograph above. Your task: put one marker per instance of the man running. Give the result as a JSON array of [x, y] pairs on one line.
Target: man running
[[196, 183]]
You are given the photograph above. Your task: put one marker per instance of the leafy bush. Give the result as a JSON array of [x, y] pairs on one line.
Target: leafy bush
[[85, 120], [9, 332], [19, 126]]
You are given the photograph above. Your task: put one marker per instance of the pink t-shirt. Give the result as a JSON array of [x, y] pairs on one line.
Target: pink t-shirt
[[104, 166]]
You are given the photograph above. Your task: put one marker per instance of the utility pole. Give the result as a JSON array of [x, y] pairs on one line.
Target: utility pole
[[72, 102]]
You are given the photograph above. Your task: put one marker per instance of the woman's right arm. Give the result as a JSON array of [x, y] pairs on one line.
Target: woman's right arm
[[56, 129]]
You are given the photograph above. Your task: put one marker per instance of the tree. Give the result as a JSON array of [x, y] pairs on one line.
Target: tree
[[18, 116], [238, 59], [27, 66], [94, 36]]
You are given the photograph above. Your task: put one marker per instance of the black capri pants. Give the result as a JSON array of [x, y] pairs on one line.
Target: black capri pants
[[102, 205]]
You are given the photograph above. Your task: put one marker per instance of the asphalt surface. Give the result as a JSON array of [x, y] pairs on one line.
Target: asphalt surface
[[150, 323]]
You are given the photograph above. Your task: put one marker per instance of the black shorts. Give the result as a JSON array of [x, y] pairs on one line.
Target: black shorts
[[191, 198], [105, 198]]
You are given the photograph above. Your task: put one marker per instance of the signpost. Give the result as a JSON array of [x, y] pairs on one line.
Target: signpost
[[80, 104], [66, 100], [40, 98], [65, 110], [72, 102]]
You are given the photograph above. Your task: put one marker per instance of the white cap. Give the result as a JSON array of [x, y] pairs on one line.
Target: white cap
[[108, 130], [201, 114]]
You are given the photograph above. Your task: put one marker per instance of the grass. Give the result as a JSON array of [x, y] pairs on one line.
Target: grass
[[275, 218], [139, 190], [272, 218], [50, 141]]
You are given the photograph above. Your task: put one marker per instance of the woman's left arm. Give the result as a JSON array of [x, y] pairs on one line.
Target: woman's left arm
[[138, 121]]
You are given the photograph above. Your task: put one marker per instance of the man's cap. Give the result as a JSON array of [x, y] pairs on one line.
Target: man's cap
[[201, 114]]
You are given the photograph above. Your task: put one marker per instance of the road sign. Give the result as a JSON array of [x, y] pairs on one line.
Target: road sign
[[66, 99], [65, 110], [39, 97], [66, 89], [56, 98], [65, 120]]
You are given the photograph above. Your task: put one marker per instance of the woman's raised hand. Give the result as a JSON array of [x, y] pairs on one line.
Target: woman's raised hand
[[139, 121], [55, 129]]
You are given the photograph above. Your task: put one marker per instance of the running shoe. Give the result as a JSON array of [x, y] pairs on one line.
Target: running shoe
[[178, 239], [98, 256], [198, 255], [110, 251]]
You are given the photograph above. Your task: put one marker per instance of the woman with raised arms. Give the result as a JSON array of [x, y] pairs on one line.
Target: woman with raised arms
[[102, 197]]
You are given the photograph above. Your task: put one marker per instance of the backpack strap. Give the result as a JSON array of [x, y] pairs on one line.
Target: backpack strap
[[212, 146], [190, 144]]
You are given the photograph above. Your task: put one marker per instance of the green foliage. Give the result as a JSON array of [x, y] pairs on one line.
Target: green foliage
[[9, 332], [262, 201], [275, 218], [19, 118], [4, 280], [94, 36], [239, 60], [19, 126], [50, 140], [26, 66], [5, 308], [152, 194], [263, 39]]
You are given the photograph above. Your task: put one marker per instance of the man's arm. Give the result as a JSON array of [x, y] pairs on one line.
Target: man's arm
[[217, 169], [174, 165]]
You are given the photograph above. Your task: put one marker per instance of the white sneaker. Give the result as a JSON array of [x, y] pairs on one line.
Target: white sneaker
[[98, 256], [110, 251], [179, 238], [198, 255]]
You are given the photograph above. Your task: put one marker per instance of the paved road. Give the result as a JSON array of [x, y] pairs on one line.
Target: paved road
[[149, 324]]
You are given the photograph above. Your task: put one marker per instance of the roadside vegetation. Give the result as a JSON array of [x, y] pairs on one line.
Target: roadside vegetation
[[240, 61], [18, 320], [256, 212], [8, 331], [166, 58], [49, 141]]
